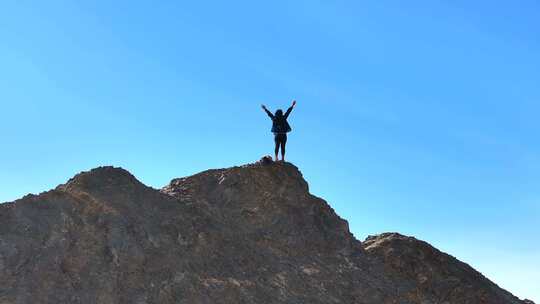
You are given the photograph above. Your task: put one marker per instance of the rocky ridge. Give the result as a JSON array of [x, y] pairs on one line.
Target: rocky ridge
[[249, 234]]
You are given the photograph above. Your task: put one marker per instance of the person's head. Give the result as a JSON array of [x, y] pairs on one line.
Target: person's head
[[279, 113]]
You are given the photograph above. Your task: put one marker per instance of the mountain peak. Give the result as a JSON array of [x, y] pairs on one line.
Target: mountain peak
[[432, 270], [266, 177], [247, 234], [100, 177]]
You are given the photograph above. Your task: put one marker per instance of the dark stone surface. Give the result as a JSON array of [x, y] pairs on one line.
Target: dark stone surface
[[250, 234]]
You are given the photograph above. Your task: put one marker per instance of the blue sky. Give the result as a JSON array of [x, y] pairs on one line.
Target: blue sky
[[417, 117]]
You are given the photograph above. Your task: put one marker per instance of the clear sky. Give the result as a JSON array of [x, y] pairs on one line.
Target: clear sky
[[413, 116]]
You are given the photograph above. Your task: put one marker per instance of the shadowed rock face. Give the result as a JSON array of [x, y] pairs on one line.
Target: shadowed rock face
[[250, 234]]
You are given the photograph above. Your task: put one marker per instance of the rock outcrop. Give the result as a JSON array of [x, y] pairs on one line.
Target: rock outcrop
[[250, 234]]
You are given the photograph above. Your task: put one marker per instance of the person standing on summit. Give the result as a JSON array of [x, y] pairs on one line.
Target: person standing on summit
[[280, 128]]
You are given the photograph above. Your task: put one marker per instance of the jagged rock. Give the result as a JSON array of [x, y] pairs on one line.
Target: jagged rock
[[431, 276], [250, 234], [266, 160]]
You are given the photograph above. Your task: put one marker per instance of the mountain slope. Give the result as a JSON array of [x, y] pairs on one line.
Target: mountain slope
[[250, 234]]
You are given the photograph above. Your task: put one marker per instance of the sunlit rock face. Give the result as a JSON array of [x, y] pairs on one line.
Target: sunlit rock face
[[249, 234]]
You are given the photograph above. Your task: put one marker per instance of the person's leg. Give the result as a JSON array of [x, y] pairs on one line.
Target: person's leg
[[283, 143], [276, 141]]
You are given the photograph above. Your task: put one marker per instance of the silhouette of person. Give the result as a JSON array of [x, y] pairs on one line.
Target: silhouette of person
[[280, 128]]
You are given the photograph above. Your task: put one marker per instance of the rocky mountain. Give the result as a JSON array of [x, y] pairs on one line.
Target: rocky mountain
[[250, 234]]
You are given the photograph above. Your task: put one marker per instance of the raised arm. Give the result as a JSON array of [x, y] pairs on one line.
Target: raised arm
[[268, 112], [290, 109]]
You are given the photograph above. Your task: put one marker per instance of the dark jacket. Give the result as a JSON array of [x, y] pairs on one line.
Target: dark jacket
[[280, 124]]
